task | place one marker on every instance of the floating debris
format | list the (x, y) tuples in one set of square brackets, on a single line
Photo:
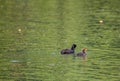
[(101, 21), (19, 30)]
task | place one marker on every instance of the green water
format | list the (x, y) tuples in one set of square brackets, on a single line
[(33, 32)]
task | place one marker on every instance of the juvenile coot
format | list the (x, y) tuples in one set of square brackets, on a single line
[(69, 51), (83, 54)]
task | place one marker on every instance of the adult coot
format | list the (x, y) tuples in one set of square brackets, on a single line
[(69, 51)]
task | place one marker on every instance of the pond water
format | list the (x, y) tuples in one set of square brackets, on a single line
[(33, 32)]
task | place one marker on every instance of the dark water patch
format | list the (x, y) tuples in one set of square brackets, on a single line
[(34, 79)]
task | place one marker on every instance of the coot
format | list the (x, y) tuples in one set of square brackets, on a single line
[(69, 51)]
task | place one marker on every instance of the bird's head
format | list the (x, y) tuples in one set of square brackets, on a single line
[(84, 50)]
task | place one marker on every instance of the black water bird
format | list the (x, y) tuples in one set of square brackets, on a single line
[(69, 51)]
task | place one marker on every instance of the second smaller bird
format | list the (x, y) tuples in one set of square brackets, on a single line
[(82, 54)]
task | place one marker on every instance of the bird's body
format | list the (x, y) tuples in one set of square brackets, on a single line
[(81, 54), (69, 51)]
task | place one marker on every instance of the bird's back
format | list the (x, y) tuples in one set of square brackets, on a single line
[(67, 51), (81, 54)]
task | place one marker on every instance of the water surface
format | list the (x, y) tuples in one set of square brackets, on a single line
[(32, 33)]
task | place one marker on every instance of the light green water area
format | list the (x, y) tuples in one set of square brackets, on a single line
[(33, 32)]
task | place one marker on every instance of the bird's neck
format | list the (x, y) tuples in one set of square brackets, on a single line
[(83, 51), (72, 48)]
